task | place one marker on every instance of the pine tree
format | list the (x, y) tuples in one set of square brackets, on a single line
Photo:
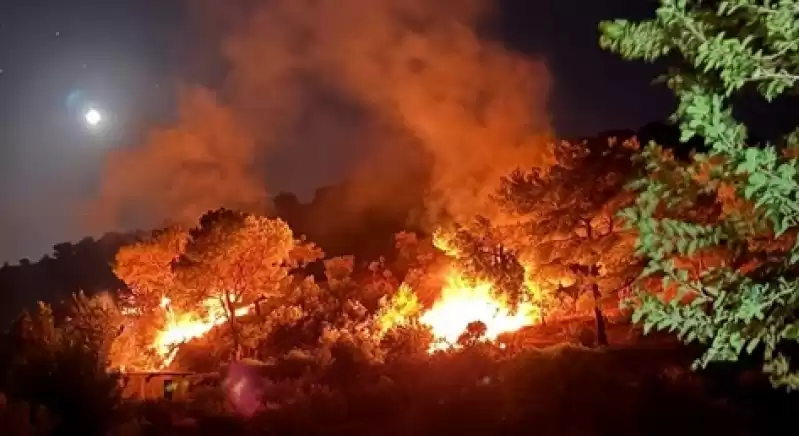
[(235, 260), (568, 215), (727, 278)]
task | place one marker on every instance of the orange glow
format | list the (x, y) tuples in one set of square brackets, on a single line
[(461, 304), (183, 327), (442, 241), (403, 306)]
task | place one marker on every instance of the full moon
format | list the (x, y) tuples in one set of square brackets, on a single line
[(93, 117)]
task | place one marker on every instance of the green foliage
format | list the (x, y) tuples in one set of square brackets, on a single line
[(719, 232)]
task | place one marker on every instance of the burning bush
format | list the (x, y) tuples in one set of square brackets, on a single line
[(233, 281)]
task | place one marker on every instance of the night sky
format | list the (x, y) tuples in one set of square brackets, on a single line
[(127, 57)]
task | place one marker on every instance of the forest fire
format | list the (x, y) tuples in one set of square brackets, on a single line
[(450, 257), (462, 303), (181, 328), (153, 336)]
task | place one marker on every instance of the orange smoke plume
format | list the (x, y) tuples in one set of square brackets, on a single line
[(201, 163), (327, 89)]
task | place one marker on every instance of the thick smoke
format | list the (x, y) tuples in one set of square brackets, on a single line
[(397, 84), (202, 162)]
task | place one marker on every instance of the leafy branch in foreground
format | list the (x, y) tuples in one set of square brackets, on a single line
[(718, 233)]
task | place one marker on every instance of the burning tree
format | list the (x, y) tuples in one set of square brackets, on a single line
[(146, 268), (480, 282), (243, 273), (184, 283), (232, 261), (481, 253), (568, 218)]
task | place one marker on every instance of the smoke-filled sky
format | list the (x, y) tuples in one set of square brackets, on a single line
[(211, 103)]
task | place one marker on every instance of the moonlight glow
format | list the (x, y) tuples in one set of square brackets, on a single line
[(93, 117)]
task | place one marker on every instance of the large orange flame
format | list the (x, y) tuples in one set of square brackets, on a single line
[(403, 306), (183, 327), (462, 303)]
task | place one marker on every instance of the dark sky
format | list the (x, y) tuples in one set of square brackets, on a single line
[(123, 55)]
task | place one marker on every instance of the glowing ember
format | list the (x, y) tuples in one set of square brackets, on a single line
[(184, 327), (461, 304)]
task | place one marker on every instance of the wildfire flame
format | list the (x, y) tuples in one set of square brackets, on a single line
[(184, 327), (462, 303)]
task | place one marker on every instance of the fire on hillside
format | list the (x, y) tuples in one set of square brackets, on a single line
[(462, 301)]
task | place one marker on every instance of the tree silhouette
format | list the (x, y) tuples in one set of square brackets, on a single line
[(568, 217)]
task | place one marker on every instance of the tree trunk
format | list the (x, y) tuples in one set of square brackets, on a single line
[(234, 328), (543, 317), (601, 332)]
